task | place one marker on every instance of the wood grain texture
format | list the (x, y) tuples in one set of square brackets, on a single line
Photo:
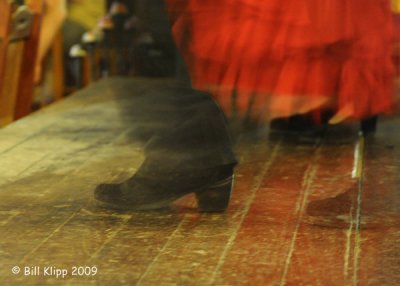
[(10, 84), (5, 22), (5, 15), (23, 105), (52, 160)]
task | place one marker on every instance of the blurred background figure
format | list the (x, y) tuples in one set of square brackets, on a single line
[(54, 14), (83, 16), (63, 24)]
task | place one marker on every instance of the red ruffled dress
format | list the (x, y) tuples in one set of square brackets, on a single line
[(276, 58)]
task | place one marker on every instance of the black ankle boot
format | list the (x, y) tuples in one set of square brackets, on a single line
[(191, 153), (159, 188)]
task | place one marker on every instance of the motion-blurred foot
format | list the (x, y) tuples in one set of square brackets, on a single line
[(155, 191)]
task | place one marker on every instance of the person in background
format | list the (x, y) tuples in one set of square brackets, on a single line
[(54, 14), (82, 16)]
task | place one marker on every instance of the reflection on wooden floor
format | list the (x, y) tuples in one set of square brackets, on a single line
[(52, 161)]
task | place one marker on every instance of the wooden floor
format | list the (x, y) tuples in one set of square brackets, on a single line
[(50, 225)]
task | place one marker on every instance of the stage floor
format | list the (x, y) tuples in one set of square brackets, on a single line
[(54, 233)]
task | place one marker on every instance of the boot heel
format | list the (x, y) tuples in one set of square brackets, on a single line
[(216, 197)]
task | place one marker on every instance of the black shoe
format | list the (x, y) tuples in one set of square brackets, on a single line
[(368, 125), (297, 124), (212, 188)]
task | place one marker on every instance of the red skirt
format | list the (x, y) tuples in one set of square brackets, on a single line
[(283, 57)]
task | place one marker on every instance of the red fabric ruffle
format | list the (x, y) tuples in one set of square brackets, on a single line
[(338, 51)]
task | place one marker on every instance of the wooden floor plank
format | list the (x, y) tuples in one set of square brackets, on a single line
[(197, 261), (52, 161), (264, 239), (325, 255), (50, 202), (45, 195), (379, 248)]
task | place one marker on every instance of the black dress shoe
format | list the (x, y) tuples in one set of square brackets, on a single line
[(156, 190)]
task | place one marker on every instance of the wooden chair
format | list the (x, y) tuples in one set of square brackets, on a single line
[(19, 40)]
